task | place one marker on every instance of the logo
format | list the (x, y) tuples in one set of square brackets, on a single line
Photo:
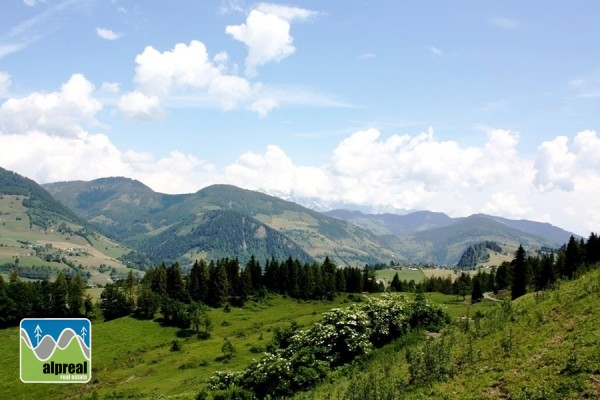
[(56, 350)]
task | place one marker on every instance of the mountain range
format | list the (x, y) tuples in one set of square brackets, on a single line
[(226, 221)]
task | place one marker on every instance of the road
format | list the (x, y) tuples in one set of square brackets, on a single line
[(488, 295)]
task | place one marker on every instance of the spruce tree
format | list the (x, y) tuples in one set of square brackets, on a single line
[(519, 284)]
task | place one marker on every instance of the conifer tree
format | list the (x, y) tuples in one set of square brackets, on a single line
[(75, 295), (59, 293), (198, 281), (520, 275), (218, 287)]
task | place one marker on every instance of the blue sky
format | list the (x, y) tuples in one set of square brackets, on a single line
[(459, 107)]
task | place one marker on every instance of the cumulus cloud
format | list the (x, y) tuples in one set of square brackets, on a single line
[(46, 158), (187, 70), (61, 113), (266, 33), (140, 106), (563, 167), (107, 34), (422, 172), (46, 136)]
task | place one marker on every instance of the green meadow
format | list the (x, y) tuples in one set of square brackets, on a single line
[(134, 359), (541, 346), (408, 275)]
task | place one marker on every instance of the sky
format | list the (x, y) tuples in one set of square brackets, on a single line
[(460, 107)]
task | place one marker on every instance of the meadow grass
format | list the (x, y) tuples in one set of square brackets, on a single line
[(387, 274), (133, 358), (541, 346)]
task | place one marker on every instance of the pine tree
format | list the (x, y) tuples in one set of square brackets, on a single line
[(129, 288), (573, 258), (329, 271), (218, 287), (159, 281), (592, 249), (75, 289), (175, 287), (520, 276), (198, 281), (396, 285), (255, 274), (477, 292), (59, 296)]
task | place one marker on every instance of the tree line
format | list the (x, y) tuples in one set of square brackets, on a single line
[(522, 274), (183, 300), (42, 299)]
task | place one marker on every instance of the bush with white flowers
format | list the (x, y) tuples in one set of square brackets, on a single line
[(340, 337)]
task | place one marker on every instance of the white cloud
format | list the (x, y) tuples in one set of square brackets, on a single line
[(435, 51), (367, 56), (45, 136), (422, 172), (4, 84), (140, 106), (286, 12), (107, 34), (400, 171), (185, 72), (228, 6), (110, 87), (61, 113), (46, 158), (266, 33), (33, 3), (6, 49), (504, 23), (187, 76), (264, 106)]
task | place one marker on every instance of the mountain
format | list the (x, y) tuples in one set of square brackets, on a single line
[(40, 236), (217, 221), (436, 238), (223, 220), (393, 224)]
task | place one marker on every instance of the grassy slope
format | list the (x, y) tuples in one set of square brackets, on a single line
[(15, 227), (403, 274), (547, 349), (133, 358)]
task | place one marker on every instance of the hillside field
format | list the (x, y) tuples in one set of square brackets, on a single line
[(30, 245), (133, 358), (542, 346)]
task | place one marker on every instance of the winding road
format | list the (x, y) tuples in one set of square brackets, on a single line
[(487, 295)]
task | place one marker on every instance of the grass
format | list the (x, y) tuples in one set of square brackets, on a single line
[(543, 346), (404, 274), (546, 347), (15, 230), (133, 358)]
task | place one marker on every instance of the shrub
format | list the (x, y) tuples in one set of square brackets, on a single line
[(175, 345), (297, 359)]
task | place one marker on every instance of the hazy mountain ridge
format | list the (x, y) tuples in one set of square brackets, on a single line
[(145, 219), (430, 237)]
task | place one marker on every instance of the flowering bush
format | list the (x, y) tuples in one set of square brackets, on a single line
[(298, 360)]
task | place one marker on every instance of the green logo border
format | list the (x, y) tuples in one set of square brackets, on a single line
[(89, 373)]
